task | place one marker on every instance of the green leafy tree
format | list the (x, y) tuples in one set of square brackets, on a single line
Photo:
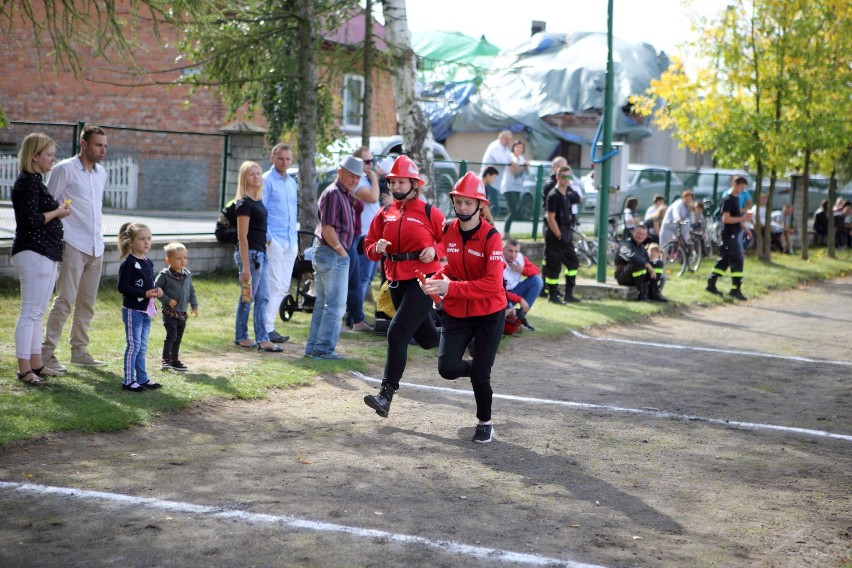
[(763, 98)]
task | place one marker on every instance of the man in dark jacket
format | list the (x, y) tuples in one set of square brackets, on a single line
[(634, 268)]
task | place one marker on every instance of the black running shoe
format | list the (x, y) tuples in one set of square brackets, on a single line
[(484, 434)]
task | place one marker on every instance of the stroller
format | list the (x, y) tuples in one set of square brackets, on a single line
[(301, 296)]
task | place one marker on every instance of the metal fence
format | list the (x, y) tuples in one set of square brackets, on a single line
[(171, 181)]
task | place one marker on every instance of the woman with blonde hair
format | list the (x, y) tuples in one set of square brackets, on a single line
[(36, 251), (250, 258)]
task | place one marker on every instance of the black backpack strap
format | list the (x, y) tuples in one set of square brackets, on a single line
[(429, 211)]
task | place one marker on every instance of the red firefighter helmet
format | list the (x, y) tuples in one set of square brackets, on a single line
[(470, 186), (404, 167)]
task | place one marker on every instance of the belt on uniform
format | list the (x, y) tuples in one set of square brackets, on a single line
[(405, 256)]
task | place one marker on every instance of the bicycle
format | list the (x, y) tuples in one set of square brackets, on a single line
[(680, 251), (586, 248)]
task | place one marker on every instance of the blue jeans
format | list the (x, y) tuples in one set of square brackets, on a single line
[(368, 272), (137, 327), (354, 298), (529, 288), (259, 295), (331, 276)]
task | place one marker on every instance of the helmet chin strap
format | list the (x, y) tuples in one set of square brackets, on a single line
[(405, 196), (466, 218)]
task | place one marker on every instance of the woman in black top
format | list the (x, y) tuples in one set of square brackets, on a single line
[(36, 251), (251, 258)]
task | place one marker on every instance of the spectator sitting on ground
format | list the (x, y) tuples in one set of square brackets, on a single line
[(782, 229), (633, 267), (523, 280), (821, 223)]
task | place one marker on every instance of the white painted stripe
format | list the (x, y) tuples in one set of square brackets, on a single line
[(655, 413), (715, 350), (452, 547)]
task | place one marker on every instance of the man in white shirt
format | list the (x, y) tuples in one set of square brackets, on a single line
[(280, 196), (82, 180), (498, 154)]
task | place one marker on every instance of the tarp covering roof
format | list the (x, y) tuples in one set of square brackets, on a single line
[(554, 74), (452, 56)]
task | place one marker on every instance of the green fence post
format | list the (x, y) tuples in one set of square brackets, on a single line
[(462, 168), (668, 186), (539, 183), (716, 189), (75, 142)]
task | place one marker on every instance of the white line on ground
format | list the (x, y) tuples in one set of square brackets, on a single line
[(715, 350), (449, 546), (655, 413)]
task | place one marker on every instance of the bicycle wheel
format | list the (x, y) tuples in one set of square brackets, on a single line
[(695, 256), (675, 258), (585, 259)]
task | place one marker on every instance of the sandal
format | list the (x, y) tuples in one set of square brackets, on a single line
[(44, 371), (31, 378)]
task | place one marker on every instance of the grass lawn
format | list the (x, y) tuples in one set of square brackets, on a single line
[(91, 400)]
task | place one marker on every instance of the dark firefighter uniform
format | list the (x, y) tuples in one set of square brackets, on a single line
[(560, 250)]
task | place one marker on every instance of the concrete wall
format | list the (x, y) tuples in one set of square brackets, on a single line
[(205, 255)]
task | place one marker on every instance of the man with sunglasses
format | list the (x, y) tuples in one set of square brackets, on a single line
[(558, 241)]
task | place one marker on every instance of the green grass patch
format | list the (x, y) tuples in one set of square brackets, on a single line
[(91, 400)]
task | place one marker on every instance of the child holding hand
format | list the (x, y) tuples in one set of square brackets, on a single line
[(136, 284), (178, 294)]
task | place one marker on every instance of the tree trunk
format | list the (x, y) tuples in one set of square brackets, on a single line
[(831, 243), (367, 119), (413, 124), (308, 114)]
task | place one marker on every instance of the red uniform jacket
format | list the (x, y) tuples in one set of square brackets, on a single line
[(409, 229), (476, 271)]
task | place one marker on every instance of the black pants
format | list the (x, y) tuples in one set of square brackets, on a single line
[(486, 333), (174, 335), (512, 199), (413, 319), (730, 256), (625, 276), (557, 253)]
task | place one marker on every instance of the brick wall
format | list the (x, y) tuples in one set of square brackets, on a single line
[(29, 92)]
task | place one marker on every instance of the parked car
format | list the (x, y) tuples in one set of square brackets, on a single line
[(703, 181), (644, 181)]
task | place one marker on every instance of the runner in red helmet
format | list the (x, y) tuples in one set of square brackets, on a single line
[(474, 300), (406, 236)]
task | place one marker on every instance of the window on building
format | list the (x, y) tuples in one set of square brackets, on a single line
[(353, 101)]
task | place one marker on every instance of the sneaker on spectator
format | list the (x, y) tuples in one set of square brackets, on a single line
[(178, 366), (362, 327), (86, 360), (484, 434), (51, 363), (276, 337), (332, 356), (165, 365)]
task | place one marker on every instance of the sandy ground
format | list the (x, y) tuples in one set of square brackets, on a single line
[(611, 450)]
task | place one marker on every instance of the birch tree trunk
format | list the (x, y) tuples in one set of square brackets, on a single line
[(308, 114), (413, 124)]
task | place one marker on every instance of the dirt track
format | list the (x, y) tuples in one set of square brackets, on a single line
[(612, 482)]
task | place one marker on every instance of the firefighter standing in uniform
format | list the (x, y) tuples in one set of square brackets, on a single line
[(474, 300), (558, 244), (406, 235), (730, 251)]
